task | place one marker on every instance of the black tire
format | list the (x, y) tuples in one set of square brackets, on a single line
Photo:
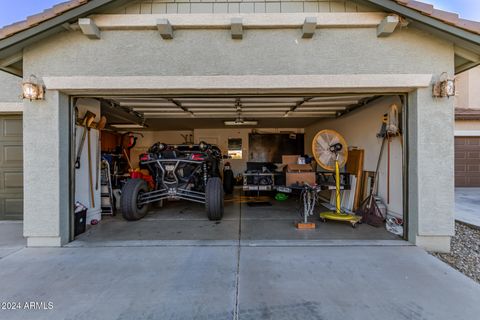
[(128, 202), (228, 181), (214, 199)]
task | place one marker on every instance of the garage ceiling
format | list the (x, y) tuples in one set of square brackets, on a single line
[(212, 111)]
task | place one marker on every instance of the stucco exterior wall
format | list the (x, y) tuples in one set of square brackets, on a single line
[(261, 52), (266, 52), (10, 88)]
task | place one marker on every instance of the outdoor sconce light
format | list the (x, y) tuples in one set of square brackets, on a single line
[(32, 89), (444, 87)]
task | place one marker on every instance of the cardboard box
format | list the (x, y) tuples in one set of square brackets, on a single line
[(300, 178), (290, 159), (299, 168)]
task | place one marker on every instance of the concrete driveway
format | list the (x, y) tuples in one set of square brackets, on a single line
[(11, 237), (467, 205), (227, 281)]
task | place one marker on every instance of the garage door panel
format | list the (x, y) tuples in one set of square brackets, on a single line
[(11, 167), (13, 154), (473, 168), (13, 128), (11, 207), (473, 142), (460, 181), (467, 161), (460, 155), (13, 180)]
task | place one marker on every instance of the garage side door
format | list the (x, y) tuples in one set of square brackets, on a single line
[(467, 161), (11, 167)]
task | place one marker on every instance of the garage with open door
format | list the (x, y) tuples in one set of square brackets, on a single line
[(243, 167), (279, 91)]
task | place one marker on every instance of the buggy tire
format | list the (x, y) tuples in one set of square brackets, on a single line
[(214, 199), (228, 181), (128, 201)]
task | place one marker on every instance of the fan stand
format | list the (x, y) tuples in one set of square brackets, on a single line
[(338, 214)]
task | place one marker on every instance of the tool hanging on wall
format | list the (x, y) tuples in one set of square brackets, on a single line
[(132, 139), (90, 176), (100, 126), (86, 122), (390, 128), (188, 138)]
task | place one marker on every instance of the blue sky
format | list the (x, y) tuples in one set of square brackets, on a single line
[(16, 10)]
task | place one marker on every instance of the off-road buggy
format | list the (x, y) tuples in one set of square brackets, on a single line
[(187, 172)]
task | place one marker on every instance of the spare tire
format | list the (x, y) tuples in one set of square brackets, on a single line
[(131, 211), (228, 181), (214, 199)]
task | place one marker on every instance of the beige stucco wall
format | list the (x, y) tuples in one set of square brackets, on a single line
[(10, 88)]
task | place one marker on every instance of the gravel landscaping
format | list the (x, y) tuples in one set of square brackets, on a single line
[(465, 253)]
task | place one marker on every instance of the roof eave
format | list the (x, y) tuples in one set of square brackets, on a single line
[(16, 42), (422, 18)]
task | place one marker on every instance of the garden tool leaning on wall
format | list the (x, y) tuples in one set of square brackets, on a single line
[(87, 123), (369, 209)]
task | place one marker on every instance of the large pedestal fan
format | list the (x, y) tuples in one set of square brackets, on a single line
[(331, 153)]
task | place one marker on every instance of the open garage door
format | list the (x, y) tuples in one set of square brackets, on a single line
[(175, 145)]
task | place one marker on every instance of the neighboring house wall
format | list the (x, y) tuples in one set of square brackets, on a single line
[(468, 88), (467, 99), (335, 51)]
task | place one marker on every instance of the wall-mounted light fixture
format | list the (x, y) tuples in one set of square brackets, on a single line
[(444, 87), (33, 89)]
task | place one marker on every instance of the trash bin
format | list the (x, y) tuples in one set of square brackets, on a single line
[(80, 219)]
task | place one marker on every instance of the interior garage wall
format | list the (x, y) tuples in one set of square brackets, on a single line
[(10, 88), (151, 137), (216, 136), (359, 129)]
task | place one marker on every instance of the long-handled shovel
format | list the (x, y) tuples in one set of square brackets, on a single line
[(100, 126), (86, 123), (90, 176)]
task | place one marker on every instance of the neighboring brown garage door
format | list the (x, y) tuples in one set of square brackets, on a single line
[(467, 161), (11, 167)]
